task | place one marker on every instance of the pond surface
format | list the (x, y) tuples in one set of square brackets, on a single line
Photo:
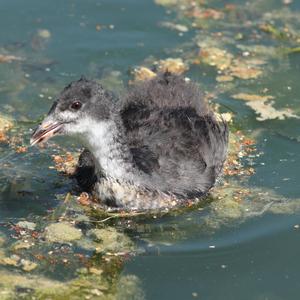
[(213, 252)]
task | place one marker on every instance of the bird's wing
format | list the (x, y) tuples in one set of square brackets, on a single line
[(182, 151)]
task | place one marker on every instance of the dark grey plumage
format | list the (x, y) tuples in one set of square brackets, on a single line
[(162, 134), (172, 136), (85, 173)]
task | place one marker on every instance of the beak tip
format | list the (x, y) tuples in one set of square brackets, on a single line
[(44, 132), (32, 142)]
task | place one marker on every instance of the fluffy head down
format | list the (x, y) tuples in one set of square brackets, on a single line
[(81, 104)]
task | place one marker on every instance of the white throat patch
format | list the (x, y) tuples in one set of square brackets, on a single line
[(101, 139)]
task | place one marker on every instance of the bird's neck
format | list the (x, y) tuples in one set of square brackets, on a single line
[(112, 155)]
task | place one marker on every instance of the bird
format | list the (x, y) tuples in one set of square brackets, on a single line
[(157, 146)]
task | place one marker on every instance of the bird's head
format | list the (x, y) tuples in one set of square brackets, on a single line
[(79, 104)]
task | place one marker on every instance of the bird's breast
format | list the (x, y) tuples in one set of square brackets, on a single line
[(132, 197)]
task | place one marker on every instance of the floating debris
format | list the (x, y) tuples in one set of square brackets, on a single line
[(252, 97), (262, 105), (200, 13), (266, 111), (95, 271), (110, 240), (3, 137), (167, 2), (224, 78), (84, 199), (20, 245), (44, 33), (143, 73), (40, 39), (62, 232), (244, 71), (173, 65), (6, 123), (66, 163), (21, 149), (216, 57), (2, 240), (9, 58), (276, 33), (173, 26), (99, 27), (227, 117), (26, 225), (28, 265), (13, 260)]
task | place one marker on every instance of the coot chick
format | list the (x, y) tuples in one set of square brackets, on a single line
[(157, 147)]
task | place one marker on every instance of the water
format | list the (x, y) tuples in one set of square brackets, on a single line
[(215, 252)]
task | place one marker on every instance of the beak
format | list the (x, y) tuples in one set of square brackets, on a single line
[(45, 131)]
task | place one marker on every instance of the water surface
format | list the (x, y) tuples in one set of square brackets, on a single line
[(199, 254)]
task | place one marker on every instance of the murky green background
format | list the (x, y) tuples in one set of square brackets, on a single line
[(195, 255)]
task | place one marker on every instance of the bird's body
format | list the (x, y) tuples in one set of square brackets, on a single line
[(157, 147)]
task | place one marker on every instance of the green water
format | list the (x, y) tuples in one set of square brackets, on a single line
[(200, 254)]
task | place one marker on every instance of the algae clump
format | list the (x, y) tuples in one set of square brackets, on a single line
[(62, 232)]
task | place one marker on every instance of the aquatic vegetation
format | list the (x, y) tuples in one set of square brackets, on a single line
[(62, 233), (216, 57), (264, 108), (266, 111), (178, 27), (66, 163), (143, 73), (239, 46), (6, 123), (92, 257), (8, 58), (252, 97), (75, 250), (173, 65)]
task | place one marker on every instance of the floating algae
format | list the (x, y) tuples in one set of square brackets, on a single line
[(216, 57), (62, 233), (110, 240), (16, 286), (264, 108), (143, 73), (267, 111), (8, 58), (173, 65), (239, 46), (45, 247), (87, 264)]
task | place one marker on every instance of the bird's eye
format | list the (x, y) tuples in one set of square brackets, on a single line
[(76, 105)]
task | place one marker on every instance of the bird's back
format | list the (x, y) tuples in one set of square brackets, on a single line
[(166, 90)]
